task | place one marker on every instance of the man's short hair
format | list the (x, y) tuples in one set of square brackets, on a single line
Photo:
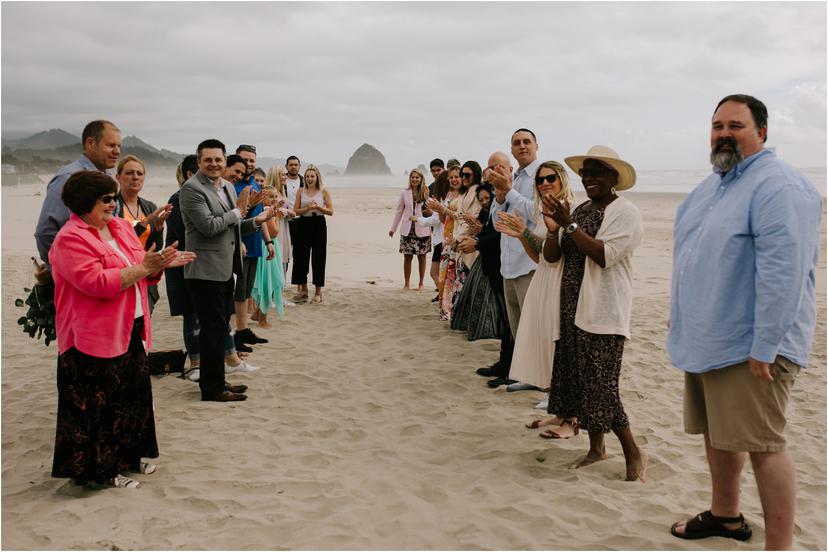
[(452, 163), (535, 138), (757, 109), (245, 147), (82, 190), (259, 170), (210, 143), (437, 162), (232, 159), (95, 130), (292, 157), (189, 164)]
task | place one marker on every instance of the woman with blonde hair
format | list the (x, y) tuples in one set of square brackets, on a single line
[(276, 179), (534, 351), (270, 273), (415, 239), (313, 204)]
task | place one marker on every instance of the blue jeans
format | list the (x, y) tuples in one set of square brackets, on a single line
[(191, 331)]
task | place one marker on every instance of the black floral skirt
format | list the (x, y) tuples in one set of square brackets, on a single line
[(105, 421), (413, 245), (478, 311)]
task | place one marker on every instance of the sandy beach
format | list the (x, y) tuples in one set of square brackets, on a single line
[(367, 428)]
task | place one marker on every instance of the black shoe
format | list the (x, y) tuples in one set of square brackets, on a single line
[(240, 388), (247, 336), (487, 372), (241, 347), (497, 382), (436, 298)]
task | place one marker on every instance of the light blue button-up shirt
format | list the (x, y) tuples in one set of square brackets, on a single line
[(514, 262), (744, 264), (53, 212)]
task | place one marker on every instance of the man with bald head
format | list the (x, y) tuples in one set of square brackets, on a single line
[(514, 193)]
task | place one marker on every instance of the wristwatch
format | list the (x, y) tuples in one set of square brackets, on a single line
[(571, 228)]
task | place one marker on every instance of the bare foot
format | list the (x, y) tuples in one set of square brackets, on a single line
[(421, 287), (590, 458), (637, 468), (265, 324), (254, 316), (566, 430), (552, 420)]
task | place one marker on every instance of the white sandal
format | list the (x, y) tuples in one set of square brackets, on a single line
[(147, 468)]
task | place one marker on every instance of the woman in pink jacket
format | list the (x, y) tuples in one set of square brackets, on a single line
[(415, 239), (105, 422)]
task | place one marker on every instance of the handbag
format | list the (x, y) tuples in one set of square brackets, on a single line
[(161, 363)]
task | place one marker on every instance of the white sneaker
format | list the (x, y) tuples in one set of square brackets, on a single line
[(287, 303), (543, 405), (194, 375), (243, 367)]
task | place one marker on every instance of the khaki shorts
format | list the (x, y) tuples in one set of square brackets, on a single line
[(738, 411)]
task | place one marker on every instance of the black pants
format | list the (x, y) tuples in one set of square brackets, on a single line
[(507, 343), (213, 302), (310, 248)]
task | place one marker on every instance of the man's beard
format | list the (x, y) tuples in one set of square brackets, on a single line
[(726, 159)]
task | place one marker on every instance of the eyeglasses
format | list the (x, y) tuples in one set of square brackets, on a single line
[(466, 174), (109, 198), (246, 147), (594, 172), (549, 179)]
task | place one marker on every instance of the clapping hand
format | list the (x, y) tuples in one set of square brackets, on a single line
[(243, 201), (556, 210), (473, 224), (435, 205), (467, 245), (168, 257), (510, 224), (500, 178), (159, 216), (255, 198)]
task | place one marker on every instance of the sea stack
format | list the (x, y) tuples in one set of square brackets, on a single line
[(367, 160)]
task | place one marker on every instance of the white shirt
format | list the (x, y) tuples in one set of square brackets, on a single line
[(514, 262), (139, 311), (291, 187)]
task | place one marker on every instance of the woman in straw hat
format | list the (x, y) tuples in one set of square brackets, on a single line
[(596, 242)]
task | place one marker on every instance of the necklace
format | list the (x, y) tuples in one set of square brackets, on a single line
[(135, 219)]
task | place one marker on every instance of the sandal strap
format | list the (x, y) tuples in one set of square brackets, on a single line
[(708, 516)]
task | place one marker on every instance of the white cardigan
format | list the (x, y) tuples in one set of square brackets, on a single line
[(605, 300)]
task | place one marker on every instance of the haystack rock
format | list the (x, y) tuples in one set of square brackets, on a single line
[(367, 160)]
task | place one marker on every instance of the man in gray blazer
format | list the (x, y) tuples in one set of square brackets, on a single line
[(214, 222)]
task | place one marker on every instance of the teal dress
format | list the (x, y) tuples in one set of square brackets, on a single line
[(269, 282)]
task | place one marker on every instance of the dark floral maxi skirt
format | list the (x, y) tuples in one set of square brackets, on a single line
[(105, 421), (477, 311)]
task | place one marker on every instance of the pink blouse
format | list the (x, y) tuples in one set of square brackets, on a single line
[(93, 313)]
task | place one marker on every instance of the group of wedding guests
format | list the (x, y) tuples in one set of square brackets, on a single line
[(513, 261), (106, 250)]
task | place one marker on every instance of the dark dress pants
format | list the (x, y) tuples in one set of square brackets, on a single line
[(213, 302), (507, 343), (310, 250)]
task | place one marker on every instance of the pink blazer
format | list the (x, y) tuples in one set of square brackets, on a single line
[(406, 209), (93, 314)]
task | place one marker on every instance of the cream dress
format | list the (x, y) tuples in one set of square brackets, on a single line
[(539, 326)]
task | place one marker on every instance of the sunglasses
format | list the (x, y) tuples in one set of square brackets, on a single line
[(110, 198), (549, 179), (594, 173)]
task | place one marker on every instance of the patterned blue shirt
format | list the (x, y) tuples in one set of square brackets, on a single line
[(252, 242), (746, 245)]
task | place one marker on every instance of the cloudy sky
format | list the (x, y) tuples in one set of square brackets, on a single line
[(419, 80)]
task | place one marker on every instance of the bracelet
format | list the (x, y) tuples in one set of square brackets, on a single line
[(269, 242)]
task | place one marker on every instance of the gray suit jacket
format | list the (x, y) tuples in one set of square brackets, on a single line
[(212, 231)]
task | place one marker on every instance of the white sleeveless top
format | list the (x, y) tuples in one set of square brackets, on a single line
[(307, 199)]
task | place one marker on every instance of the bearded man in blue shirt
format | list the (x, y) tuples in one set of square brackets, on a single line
[(742, 317)]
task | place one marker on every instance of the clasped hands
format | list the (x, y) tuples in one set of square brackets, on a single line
[(168, 257), (248, 199)]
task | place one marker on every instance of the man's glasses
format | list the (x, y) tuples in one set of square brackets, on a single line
[(467, 175), (110, 198), (549, 179), (594, 172)]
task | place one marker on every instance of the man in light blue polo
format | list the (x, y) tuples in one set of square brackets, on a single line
[(101, 142), (742, 316), (514, 193)]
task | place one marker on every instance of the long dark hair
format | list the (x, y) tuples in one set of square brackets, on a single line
[(477, 172), (441, 188)]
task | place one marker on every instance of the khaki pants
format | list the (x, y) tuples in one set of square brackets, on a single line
[(514, 290)]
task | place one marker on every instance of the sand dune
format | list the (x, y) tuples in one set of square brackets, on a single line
[(366, 428)]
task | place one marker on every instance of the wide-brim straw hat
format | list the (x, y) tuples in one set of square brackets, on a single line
[(626, 172)]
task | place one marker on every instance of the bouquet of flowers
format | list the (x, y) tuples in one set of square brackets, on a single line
[(40, 318)]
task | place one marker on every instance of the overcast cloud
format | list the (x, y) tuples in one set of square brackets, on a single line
[(419, 80)]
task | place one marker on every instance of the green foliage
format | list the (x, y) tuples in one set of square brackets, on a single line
[(40, 318)]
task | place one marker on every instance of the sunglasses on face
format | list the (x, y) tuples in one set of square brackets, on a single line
[(110, 198), (549, 179), (466, 174), (594, 172)]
